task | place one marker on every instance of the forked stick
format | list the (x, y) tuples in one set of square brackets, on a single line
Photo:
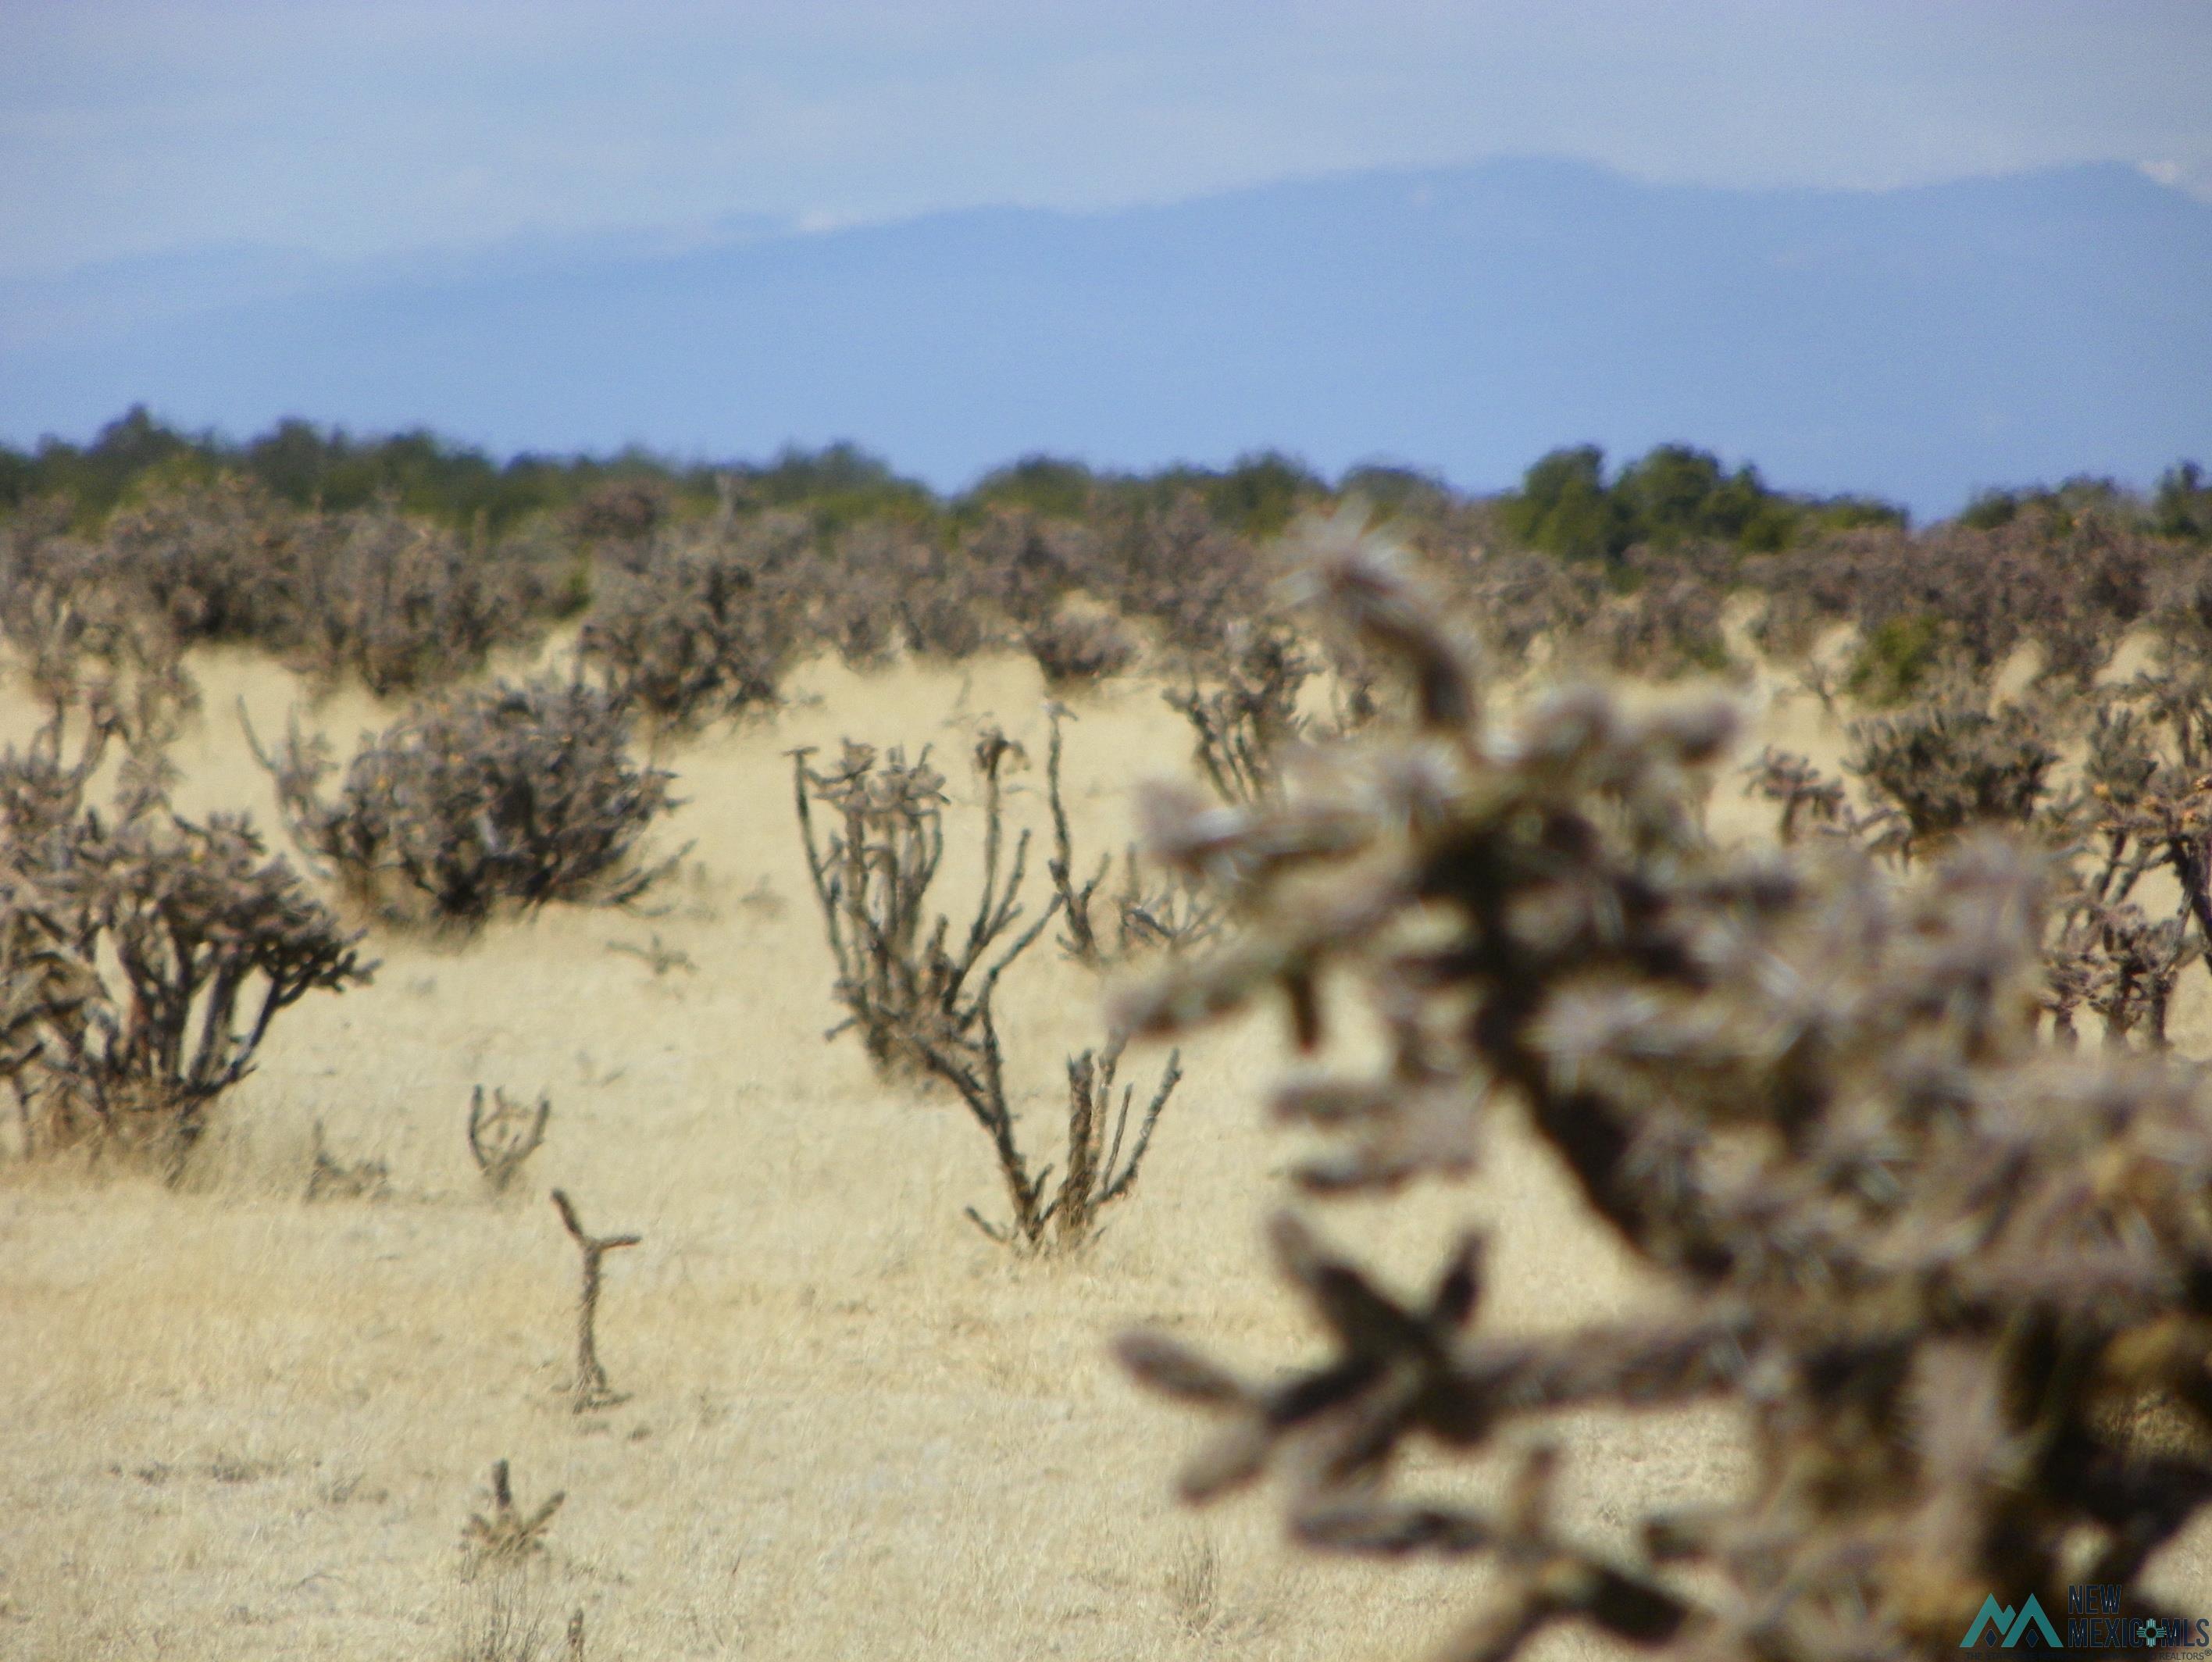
[(592, 1388)]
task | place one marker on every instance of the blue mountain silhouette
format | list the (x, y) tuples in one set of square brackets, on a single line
[(1916, 343)]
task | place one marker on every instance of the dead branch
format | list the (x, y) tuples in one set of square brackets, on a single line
[(591, 1389)]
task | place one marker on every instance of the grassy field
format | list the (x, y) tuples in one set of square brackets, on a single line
[(242, 1425)]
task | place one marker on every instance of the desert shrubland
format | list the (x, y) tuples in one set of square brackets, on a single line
[(1749, 1205)]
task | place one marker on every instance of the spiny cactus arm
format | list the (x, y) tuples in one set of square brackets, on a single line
[(991, 750), (501, 1140), (1346, 1412), (1082, 940), (1556, 1581), (1120, 1178), (977, 1076), (1077, 1195), (1023, 942), (507, 1534), (310, 958), (477, 1149), (817, 860)]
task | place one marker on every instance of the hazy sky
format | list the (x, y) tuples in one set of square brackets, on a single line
[(355, 128)]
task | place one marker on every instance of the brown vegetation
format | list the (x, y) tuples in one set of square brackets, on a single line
[(142, 955), (702, 622), (1799, 1179), (908, 989), (1167, 910), (923, 1009), (481, 796), (593, 1390), (1807, 1098), (501, 1141)]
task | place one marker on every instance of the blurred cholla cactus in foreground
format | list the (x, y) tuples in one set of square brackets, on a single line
[(1935, 1262)]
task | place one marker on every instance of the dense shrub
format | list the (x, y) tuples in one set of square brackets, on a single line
[(217, 562), (1047, 485), (85, 644), (2183, 506), (943, 622), (402, 606), (1260, 493), (856, 611), (1669, 624), (1077, 647), (1946, 768), (142, 955), (704, 622), (402, 560), (1896, 660), (1175, 566), (479, 798), (621, 511), (1025, 565), (1509, 600), (2072, 585)]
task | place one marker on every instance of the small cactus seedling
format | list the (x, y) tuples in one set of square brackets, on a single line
[(508, 1537)]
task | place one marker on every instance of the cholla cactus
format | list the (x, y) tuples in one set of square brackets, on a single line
[(508, 795), (1931, 1257), (1947, 769), (907, 991), (143, 958), (701, 622), (1807, 796), (1245, 722), (1149, 912)]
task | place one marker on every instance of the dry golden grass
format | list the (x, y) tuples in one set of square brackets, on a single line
[(241, 1426)]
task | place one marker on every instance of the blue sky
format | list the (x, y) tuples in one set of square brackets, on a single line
[(356, 130)]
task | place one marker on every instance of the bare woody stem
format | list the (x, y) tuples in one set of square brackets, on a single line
[(592, 1389)]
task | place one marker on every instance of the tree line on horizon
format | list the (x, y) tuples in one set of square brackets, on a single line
[(1568, 504)]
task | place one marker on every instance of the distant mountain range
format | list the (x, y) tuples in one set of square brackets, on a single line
[(1914, 343)]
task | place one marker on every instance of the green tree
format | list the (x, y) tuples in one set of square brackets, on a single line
[(1263, 493), (1049, 485), (1565, 507), (2183, 506)]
